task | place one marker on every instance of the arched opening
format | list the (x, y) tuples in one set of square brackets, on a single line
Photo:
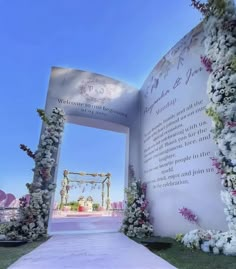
[(88, 155)]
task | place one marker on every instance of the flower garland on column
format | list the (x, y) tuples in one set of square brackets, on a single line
[(33, 220), (220, 61), (136, 222)]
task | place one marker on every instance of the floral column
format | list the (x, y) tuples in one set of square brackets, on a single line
[(33, 220), (102, 194)]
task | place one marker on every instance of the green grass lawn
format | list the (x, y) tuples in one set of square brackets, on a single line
[(184, 258), (11, 254), (177, 255)]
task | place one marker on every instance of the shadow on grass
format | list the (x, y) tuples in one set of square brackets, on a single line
[(184, 258), (9, 255)]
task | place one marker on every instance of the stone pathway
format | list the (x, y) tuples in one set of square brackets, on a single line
[(91, 251), (80, 224)]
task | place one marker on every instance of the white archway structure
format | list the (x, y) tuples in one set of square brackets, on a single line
[(96, 101), (169, 143)]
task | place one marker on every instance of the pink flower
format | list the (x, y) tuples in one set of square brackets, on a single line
[(233, 192), (231, 123), (141, 222), (188, 214), (217, 165), (144, 205)]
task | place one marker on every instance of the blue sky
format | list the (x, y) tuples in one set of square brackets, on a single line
[(94, 151), (121, 39)]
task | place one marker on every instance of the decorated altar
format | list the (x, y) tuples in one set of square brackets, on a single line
[(95, 181)]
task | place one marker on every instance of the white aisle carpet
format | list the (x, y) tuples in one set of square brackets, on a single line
[(91, 251)]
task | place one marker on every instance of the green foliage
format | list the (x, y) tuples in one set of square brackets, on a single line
[(3, 228), (217, 7), (220, 6), (130, 196), (96, 206), (10, 255), (215, 117), (179, 237), (42, 115), (233, 63), (73, 205)]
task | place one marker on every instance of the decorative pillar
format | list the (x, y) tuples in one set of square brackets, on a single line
[(65, 189), (102, 194), (63, 192), (62, 199), (108, 193), (67, 195)]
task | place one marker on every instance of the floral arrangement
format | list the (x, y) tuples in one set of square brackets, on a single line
[(136, 222), (211, 241), (33, 217), (188, 215), (220, 61)]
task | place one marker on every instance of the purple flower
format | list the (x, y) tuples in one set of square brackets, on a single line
[(144, 205), (202, 7), (231, 123), (229, 25), (233, 192), (28, 151), (188, 214), (144, 188), (23, 202), (207, 63), (217, 165)]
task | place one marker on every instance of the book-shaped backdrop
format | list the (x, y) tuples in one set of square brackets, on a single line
[(169, 143)]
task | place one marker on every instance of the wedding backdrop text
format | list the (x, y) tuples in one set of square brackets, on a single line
[(169, 142)]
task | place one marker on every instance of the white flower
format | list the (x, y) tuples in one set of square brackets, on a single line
[(205, 246), (216, 250), (131, 220)]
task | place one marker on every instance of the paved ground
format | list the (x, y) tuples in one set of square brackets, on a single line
[(91, 251), (85, 223)]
